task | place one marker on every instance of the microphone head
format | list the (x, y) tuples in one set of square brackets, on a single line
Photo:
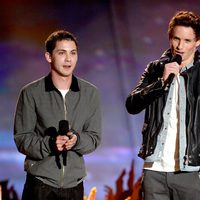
[(177, 58), (63, 127)]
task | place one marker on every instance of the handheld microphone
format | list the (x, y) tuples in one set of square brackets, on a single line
[(63, 129), (176, 58)]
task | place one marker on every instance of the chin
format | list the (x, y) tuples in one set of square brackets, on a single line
[(67, 75)]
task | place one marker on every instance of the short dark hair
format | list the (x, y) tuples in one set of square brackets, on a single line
[(185, 18), (59, 35)]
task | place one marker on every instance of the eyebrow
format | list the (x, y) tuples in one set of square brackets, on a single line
[(65, 50), (190, 39)]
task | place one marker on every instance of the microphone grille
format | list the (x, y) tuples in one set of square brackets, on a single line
[(177, 58), (63, 127)]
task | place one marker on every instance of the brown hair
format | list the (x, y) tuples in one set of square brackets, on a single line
[(185, 18), (59, 35)]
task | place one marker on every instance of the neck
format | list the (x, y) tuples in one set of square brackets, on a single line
[(61, 82), (187, 62)]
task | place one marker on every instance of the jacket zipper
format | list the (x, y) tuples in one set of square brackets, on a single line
[(187, 154), (63, 167)]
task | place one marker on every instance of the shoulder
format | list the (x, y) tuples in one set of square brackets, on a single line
[(88, 90), (34, 85), (84, 84)]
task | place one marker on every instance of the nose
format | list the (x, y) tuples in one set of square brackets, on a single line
[(67, 57), (180, 45)]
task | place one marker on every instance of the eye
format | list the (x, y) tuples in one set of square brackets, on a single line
[(175, 39), (61, 52), (188, 41), (74, 52)]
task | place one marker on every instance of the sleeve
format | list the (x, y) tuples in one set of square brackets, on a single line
[(149, 88), (28, 142), (90, 137)]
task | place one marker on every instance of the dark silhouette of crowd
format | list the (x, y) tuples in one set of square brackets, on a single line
[(133, 191), (6, 192)]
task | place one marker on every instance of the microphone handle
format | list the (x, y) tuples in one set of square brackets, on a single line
[(169, 80)]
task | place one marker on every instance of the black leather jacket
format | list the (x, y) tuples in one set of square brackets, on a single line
[(151, 95)]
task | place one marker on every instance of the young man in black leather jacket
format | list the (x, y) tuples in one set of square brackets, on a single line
[(169, 92)]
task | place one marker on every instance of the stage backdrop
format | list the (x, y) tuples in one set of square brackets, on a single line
[(116, 41)]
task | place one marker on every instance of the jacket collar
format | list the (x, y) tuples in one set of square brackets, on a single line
[(49, 86)]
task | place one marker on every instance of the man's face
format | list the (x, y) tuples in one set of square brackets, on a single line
[(184, 42), (63, 58)]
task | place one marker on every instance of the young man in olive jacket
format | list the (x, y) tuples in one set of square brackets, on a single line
[(57, 121), (169, 92)]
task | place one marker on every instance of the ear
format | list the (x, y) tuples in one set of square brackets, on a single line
[(48, 57), (198, 43)]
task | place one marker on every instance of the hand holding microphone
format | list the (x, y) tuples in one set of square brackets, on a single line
[(65, 139), (172, 69)]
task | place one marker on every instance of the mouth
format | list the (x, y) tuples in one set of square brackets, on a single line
[(180, 53), (66, 66)]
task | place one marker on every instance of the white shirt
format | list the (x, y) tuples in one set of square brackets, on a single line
[(169, 156)]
